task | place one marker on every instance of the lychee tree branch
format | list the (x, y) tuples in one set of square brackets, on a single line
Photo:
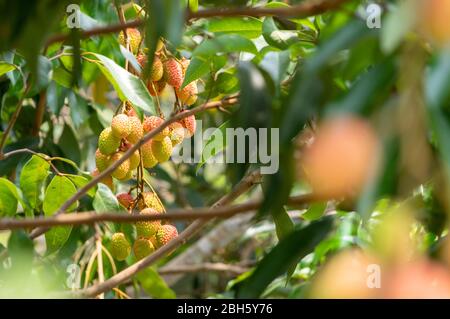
[(83, 190)]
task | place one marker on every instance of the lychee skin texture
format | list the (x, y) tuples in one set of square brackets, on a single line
[(134, 160), (173, 73), (120, 247), (148, 228), (136, 130), (120, 172), (157, 68), (176, 133), (108, 181), (188, 95), (101, 161), (130, 112), (153, 122), (148, 159), (162, 150), (156, 88), (151, 201), (189, 124), (120, 126), (125, 199), (127, 177), (107, 142), (134, 38), (165, 234), (142, 247), (185, 64)]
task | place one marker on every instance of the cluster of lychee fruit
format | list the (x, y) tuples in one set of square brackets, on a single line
[(150, 235), (166, 69)]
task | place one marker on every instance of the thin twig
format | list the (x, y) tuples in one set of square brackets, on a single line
[(218, 267)]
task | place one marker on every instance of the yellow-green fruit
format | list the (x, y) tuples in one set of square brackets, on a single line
[(148, 159), (134, 160), (151, 201), (120, 126), (148, 228), (127, 177), (156, 88), (101, 161), (188, 95), (120, 247), (176, 133), (173, 73), (107, 142), (165, 234), (122, 171), (153, 122), (162, 150), (136, 130), (157, 68), (134, 39), (108, 181), (142, 247)]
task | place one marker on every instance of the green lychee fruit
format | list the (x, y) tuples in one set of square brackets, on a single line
[(107, 142), (101, 161), (125, 199), (153, 122), (120, 126), (173, 73), (120, 247), (176, 133), (150, 200), (134, 160), (134, 39), (148, 159), (122, 171), (108, 181), (189, 124), (188, 95), (142, 247), (162, 150), (165, 234), (148, 228), (136, 130)]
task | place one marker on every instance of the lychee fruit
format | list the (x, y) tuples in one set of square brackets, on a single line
[(176, 133), (173, 73), (125, 199), (108, 181), (148, 228), (120, 126), (101, 161), (156, 88), (189, 124), (188, 95), (165, 234), (107, 142), (120, 247), (162, 150), (121, 172), (151, 200), (142, 247), (157, 68), (153, 122), (136, 130), (135, 159), (148, 159), (184, 64), (134, 39)]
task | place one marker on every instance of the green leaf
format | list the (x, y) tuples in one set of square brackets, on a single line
[(193, 5), (281, 39), (21, 250), (5, 67), (276, 64), (214, 145), (80, 181), (32, 178), (315, 211), (154, 285), (295, 246), (8, 198), (58, 192), (247, 27), (105, 200), (128, 86)]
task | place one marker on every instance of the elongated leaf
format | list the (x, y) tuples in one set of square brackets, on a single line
[(247, 27), (154, 285), (58, 191), (8, 198), (295, 246), (104, 200), (5, 67), (80, 181), (32, 178)]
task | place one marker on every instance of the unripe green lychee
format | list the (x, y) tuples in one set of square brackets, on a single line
[(134, 160), (127, 177), (134, 38), (101, 161), (148, 159), (176, 133), (173, 73), (156, 88), (188, 95), (120, 247), (148, 228), (120, 126), (125, 199), (165, 234), (108, 181), (189, 124), (136, 130), (107, 142), (142, 247), (162, 150), (153, 122), (150, 200), (120, 172)]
